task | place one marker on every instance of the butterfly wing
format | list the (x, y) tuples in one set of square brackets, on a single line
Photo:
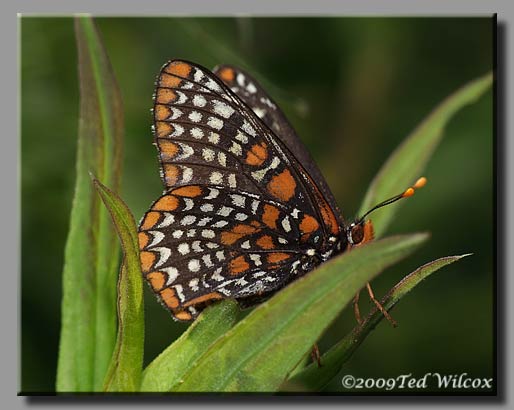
[(203, 243), (255, 97), (208, 138)]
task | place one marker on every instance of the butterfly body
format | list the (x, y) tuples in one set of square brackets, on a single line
[(245, 210)]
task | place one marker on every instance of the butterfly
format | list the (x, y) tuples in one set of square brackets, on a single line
[(245, 209)]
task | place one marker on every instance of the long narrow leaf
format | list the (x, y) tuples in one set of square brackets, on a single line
[(125, 369), (88, 309), (314, 378), (261, 350), (410, 158), (167, 370)]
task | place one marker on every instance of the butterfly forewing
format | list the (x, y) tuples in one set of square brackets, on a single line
[(240, 217), (255, 97)]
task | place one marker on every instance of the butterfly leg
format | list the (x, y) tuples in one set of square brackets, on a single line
[(315, 355), (379, 306), (356, 310)]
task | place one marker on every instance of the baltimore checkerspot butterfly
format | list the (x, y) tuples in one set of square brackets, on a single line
[(245, 210)]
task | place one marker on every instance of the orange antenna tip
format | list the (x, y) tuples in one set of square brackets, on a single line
[(420, 183), (408, 192)]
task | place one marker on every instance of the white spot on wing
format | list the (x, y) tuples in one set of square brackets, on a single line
[(177, 234), (199, 100), (196, 246), (194, 265), (286, 224), (183, 248), (188, 220), (172, 274), (187, 174), (208, 233), (216, 276), (214, 137), (241, 217), (225, 211), (238, 200), (195, 116), (168, 220), (241, 137), (204, 221), (220, 224), (157, 237), (236, 149), (215, 123), (222, 109), (207, 261), (256, 258), (196, 133), (232, 181), (251, 88), (193, 284), (207, 207), (189, 204), (164, 254), (208, 154), (213, 193), (216, 177)]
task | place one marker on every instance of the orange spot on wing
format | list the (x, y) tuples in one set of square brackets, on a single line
[(278, 256), (227, 74), (190, 191), (204, 298), (151, 219), (166, 203), (169, 81), (165, 95), (182, 315), (237, 232), (270, 216), (169, 297), (238, 265), (147, 260), (309, 224), (163, 129), (282, 186), (142, 239), (171, 174), (257, 154), (167, 149), (157, 280), (265, 242), (161, 112), (179, 68)]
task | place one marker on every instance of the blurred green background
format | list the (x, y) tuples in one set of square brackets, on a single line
[(353, 88)]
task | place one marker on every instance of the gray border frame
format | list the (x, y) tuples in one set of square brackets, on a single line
[(9, 180)]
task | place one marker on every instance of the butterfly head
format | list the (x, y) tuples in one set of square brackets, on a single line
[(361, 230)]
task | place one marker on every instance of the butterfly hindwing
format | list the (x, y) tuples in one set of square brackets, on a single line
[(202, 243)]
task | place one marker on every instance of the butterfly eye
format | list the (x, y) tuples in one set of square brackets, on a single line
[(356, 234)]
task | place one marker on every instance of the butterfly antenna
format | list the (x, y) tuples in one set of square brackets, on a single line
[(405, 194)]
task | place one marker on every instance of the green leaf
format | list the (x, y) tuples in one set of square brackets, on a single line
[(408, 161), (125, 369), (168, 369), (88, 309), (314, 378), (261, 350)]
